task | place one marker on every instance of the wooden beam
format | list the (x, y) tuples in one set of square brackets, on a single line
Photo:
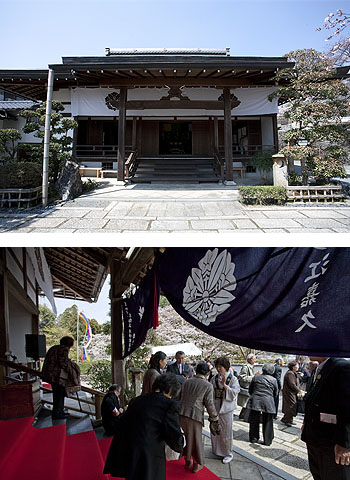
[(121, 134), (176, 82), (275, 131), (134, 133), (228, 134), (118, 375), (216, 132), (4, 306)]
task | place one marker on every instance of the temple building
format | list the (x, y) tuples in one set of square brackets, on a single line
[(162, 114)]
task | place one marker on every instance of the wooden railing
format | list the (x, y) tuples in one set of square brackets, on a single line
[(131, 165), (220, 163), (96, 395), (103, 151), (245, 151)]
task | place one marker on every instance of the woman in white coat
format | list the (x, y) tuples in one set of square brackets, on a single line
[(226, 388)]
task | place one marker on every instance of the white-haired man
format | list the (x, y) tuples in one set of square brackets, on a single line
[(245, 377)]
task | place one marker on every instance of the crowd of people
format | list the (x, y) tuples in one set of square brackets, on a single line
[(218, 388), (170, 410)]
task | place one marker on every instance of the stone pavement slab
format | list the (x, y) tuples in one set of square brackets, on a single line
[(276, 223), (130, 225), (174, 208), (84, 223), (285, 459), (166, 225), (320, 223), (245, 223), (211, 224)]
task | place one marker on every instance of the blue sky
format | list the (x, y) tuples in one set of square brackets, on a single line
[(99, 310), (35, 33)]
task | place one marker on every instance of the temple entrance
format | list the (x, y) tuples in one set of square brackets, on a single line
[(175, 138)]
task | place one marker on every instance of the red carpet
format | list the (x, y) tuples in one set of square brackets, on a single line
[(175, 471), (83, 458), (37, 454), (12, 431)]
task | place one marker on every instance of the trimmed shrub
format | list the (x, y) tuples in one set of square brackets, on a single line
[(324, 168), (90, 185), (20, 175), (262, 195)]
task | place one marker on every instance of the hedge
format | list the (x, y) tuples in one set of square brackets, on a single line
[(20, 175), (262, 195)]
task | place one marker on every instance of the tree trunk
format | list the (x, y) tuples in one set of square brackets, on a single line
[(304, 172)]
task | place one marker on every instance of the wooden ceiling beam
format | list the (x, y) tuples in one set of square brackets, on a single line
[(179, 81), (72, 289)]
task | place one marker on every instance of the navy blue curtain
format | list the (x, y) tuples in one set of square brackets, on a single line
[(140, 312), (291, 300)]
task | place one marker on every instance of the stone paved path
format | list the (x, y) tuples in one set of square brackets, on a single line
[(183, 209), (285, 459)]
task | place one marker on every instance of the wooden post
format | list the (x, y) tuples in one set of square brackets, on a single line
[(136, 380), (98, 401), (121, 134), (4, 312), (275, 132), (75, 141), (216, 133), (45, 181), (116, 325), (134, 134), (228, 135)]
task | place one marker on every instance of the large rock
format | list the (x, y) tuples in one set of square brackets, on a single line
[(69, 184)]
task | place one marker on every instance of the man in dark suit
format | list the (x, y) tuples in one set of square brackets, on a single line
[(277, 374), (110, 409), (179, 367), (326, 428), (137, 451)]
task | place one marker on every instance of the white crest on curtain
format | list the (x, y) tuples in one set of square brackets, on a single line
[(207, 291)]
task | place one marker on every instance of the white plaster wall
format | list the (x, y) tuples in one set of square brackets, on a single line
[(26, 137), (64, 96), (267, 131), (14, 268), (31, 276), (20, 324)]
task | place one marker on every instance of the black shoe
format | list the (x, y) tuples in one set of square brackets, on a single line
[(253, 440), (62, 416)]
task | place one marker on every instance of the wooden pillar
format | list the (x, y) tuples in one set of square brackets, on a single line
[(216, 132), (75, 140), (139, 136), (134, 134), (275, 132), (116, 325), (121, 134), (228, 134), (4, 312)]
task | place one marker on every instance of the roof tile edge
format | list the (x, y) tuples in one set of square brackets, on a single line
[(167, 51)]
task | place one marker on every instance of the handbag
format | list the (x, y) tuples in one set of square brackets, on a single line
[(171, 454)]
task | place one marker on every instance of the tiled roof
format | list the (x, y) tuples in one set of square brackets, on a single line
[(167, 51), (17, 104)]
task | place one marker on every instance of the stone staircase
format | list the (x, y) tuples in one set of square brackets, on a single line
[(175, 169)]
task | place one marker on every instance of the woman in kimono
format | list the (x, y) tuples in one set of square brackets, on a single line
[(226, 388), (291, 387), (156, 364)]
